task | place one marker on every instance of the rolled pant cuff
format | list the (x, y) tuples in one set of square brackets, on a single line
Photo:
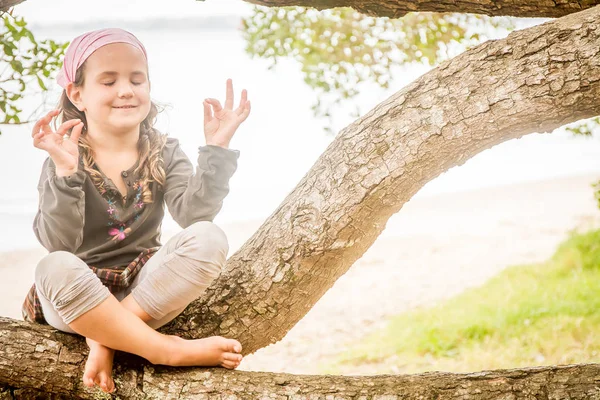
[(146, 304), (84, 296)]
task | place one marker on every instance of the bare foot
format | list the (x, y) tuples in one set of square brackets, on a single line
[(98, 367), (207, 352)]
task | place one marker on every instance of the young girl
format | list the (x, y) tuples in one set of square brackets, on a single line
[(101, 202)]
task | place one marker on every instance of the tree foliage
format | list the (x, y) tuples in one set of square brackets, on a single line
[(339, 49), (584, 128), (27, 66)]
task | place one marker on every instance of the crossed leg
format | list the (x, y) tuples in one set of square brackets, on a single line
[(74, 300)]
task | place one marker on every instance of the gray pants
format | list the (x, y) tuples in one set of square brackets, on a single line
[(175, 276)]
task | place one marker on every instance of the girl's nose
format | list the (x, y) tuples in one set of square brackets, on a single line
[(125, 91)]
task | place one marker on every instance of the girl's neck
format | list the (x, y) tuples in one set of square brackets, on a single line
[(113, 143)]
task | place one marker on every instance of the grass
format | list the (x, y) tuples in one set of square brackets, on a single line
[(540, 314)]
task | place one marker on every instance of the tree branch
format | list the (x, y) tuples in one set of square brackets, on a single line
[(535, 80), (398, 8), (43, 361), (5, 5)]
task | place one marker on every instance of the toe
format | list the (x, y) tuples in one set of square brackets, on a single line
[(88, 378), (232, 357), (104, 386), (111, 385), (88, 381), (106, 382), (234, 346), (229, 364)]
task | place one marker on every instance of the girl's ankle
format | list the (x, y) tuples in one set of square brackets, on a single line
[(92, 344), (171, 353)]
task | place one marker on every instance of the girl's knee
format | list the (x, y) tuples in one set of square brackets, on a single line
[(58, 268), (207, 239)]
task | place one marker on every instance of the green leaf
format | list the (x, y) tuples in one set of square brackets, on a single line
[(24, 59), (17, 66), (41, 83)]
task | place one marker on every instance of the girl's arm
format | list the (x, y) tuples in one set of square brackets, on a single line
[(59, 222), (197, 197)]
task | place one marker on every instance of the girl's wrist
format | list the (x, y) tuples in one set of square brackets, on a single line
[(60, 172), (223, 145)]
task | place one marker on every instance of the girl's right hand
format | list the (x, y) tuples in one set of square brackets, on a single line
[(63, 151)]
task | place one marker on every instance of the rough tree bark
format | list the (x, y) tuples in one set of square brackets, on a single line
[(59, 358), (535, 80), (399, 8)]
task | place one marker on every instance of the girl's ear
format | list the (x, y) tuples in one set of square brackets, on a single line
[(74, 94)]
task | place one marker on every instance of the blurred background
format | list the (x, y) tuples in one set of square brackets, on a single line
[(415, 301)]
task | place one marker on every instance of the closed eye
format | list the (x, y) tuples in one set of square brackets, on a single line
[(111, 83)]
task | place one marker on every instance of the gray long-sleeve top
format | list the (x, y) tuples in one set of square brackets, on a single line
[(107, 232)]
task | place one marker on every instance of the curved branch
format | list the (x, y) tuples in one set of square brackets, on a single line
[(399, 8), (535, 80)]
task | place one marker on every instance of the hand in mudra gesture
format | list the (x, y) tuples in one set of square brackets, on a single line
[(220, 126), (63, 151)]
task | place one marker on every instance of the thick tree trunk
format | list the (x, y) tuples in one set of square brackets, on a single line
[(535, 80), (398, 8), (47, 365)]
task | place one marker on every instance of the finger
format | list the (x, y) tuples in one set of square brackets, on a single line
[(48, 119), (40, 143), (62, 130), (76, 132), (45, 120), (243, 101), (245, 112), (216, 104), (207, 112), (37, 140), (229, 95)]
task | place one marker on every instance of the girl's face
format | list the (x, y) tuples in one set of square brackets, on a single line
[(115, 95)]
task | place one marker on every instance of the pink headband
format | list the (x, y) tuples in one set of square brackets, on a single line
[(84, 45)]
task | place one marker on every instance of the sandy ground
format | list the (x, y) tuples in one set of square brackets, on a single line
[(434, 248)]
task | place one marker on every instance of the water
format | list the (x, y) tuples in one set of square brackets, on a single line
[(279, 142)]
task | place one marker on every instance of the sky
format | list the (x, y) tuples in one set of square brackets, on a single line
[(76, 11)]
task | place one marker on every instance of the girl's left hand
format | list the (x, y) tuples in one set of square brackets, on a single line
[(220, 127)]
